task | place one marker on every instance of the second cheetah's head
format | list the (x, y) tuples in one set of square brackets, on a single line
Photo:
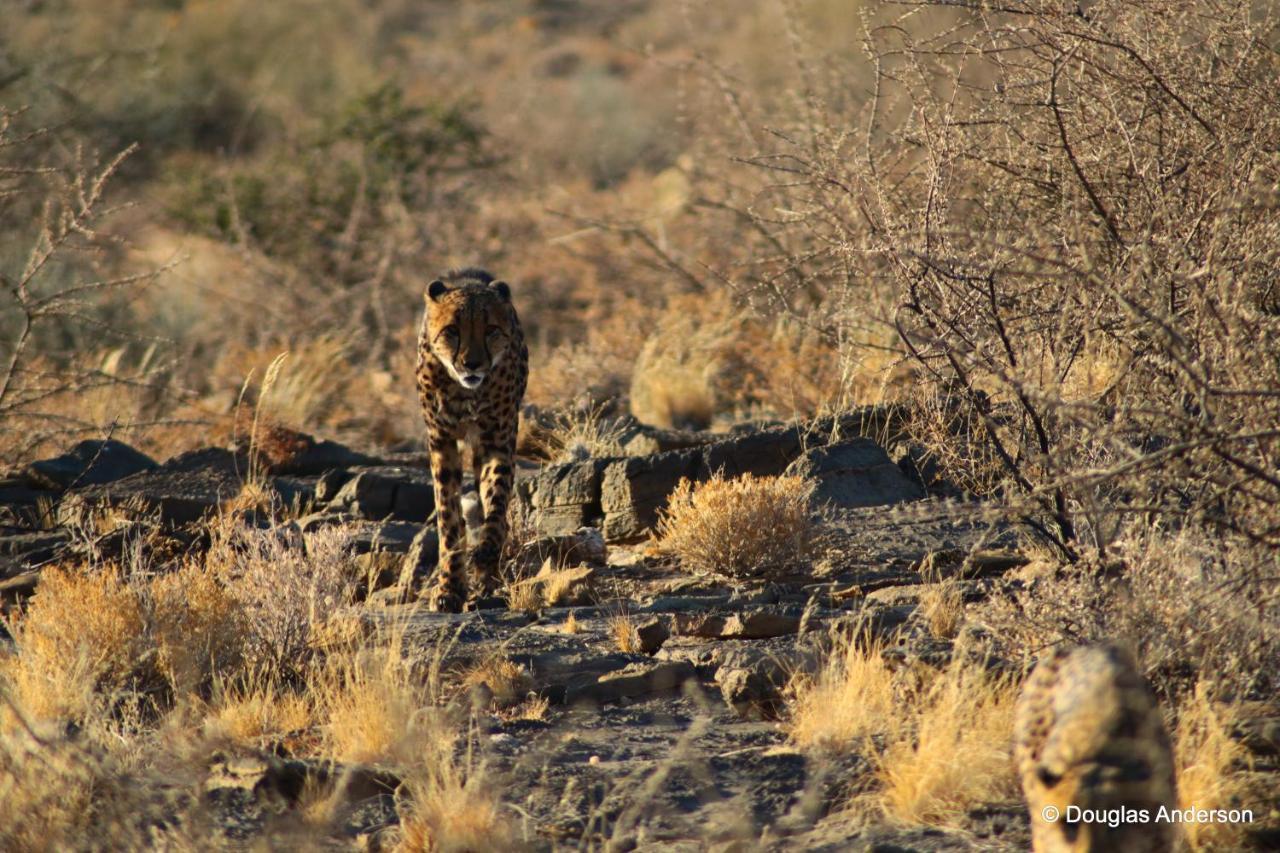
[(469, 325)]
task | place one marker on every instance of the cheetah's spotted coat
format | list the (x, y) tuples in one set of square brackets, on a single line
[(1088, 733), (472, 369)]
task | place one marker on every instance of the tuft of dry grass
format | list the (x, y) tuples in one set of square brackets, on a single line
[(375, 711), (622, 630), (507, 682), (942, 605), (249, 715), (952, 754), (198, 627), (745, 527), (939, 742), (451, 807), (1209, 765), (584, 433), (853, 696)]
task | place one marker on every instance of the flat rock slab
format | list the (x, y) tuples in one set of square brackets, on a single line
[(89, 463), (855, 473), (637, 679), (183, 490), (383, 492), (756, 624)]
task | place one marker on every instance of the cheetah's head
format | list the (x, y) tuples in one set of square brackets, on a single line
[(469, 327)]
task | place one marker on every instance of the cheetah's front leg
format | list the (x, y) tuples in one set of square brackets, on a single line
[(496, 478), (450, 587)]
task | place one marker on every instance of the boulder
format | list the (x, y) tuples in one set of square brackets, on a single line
[(89, 463), (855, 473), (564, 498), (379, 493), (633, 490), (184, 489)]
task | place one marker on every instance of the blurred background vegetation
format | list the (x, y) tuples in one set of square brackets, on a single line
[(297, 170)]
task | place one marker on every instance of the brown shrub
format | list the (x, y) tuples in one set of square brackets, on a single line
[(744, 527), (84, 632)]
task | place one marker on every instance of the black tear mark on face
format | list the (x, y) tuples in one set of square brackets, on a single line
[(1047, 777)]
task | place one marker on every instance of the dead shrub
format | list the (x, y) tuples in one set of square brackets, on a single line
[(198, 627), (84, 633), (1184, 604), (285, 589), (745, 527)]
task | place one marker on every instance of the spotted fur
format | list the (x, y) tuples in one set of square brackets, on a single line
[(1088, 732), (472, 369)]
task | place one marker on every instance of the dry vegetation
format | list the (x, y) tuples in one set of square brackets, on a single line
[(1052, 234), (744, 527)]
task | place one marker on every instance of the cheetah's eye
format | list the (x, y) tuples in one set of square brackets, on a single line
[(449, 331), (493, 330)]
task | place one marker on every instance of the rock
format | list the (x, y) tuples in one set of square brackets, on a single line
[(419, 562), (31, 549), (564, 498), (640, 439), (652, 633), (585, 546), (379, 570), (89, 463), (20, 585), (954, 562), (379, 493), (633, 490), (319, 456), (394, 536), (855, 473), (752, 685), (747, 625), (639, 679), (183, 490), (765, 453)]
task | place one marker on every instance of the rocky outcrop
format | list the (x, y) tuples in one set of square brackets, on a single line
[(622, 496)]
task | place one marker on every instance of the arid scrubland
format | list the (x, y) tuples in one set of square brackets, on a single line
[(1031, 251)]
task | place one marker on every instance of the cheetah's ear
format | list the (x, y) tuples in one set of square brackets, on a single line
[(436, 289), (504, 290)]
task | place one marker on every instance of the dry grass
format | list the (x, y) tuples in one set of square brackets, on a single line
[(942, 605), (745, 527), (251, 715), (451, 807), (198, 627), (622, 630), (953, 753), (83, 635), (587, 433), (285, 589), (375, 710), (853, 696), (1209, 765), (939, 742), (507, 683)]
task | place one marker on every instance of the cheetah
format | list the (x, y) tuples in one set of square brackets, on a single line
[(1088, 734), (472, 369)]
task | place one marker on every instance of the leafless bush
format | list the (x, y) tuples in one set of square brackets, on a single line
[(65, 369), (1076, 210), (285, 591)]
